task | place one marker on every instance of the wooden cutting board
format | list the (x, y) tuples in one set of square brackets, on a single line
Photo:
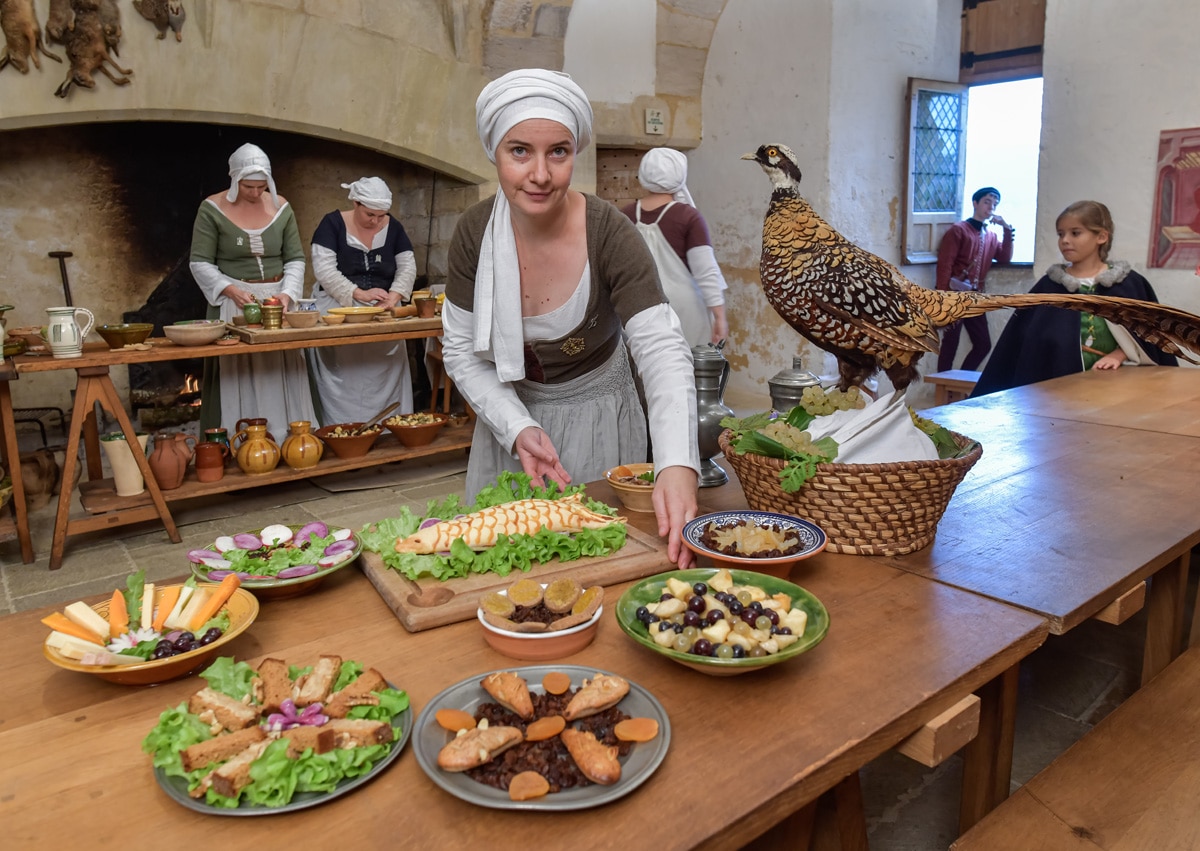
[(346, 329), (429, 602)]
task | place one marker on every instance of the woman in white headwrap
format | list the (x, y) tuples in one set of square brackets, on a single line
[(678, 238), (246, 247), (546, 288), (362, 256)]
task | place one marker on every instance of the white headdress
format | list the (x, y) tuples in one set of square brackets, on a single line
[(371, 192), (665, 170), (503, 103), (249, 162)]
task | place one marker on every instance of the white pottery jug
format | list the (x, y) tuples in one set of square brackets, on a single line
[(126, 475), (63, 334)]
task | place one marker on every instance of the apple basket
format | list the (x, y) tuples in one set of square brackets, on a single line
[(864, 509)]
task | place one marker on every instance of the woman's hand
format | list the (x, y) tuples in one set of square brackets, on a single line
[(285, 300), (237, 295), (374, 296), (674, 505), (1112, 360), (539, 458), (720, 325)]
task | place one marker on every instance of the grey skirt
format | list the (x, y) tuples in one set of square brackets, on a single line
[(595, 422)]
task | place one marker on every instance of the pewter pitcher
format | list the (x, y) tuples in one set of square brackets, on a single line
[(712, 373)]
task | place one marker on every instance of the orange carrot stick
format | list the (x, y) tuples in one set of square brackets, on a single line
[(118, 614), (62, 623), (218, 599), (170, 596)]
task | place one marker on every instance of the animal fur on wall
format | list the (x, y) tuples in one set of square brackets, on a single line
[(22, 36), (164, 14), (91, 32)]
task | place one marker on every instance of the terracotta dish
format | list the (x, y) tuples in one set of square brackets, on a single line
[(633, 497), (417, 434), (348, 447)]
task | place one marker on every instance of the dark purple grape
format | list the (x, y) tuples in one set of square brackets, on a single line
[(782, 630), (678, 627), (713, 616), (643, 614), (699, 589), (663, 626), (213, 632), (739, 652), (162, 652), (756, 606), (735, 606), (702, 647), (697, 604), (665, 597), (749, 616), (690, 618), (209, 637), (183, 645), (772, 615)]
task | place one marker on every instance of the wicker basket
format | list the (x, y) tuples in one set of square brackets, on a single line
[(864, 509)]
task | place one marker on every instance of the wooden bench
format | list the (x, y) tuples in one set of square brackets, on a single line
[(953, 385), (1133, 781)]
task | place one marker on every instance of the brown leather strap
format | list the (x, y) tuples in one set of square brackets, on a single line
[(274, 280)]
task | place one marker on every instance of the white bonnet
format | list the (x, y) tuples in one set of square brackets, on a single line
[(665, 170), (250, 162), (371, 192), (532, 93)]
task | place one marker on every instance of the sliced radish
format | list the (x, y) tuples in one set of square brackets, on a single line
[(340, 547), (316, 529), (220, 574), (341, 534), (216, 563), (198, 556), (247, 541), (224, 544), (336, 558), (275, 534), (298, 570)]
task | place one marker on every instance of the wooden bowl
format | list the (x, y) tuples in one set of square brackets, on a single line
[(348, 447), (242, 608), (633, 497), (124, 334), (301, 318), (417, 434), (198, 332), (333, 319)]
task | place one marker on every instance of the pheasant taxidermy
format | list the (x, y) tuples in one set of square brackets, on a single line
[(863, 310)]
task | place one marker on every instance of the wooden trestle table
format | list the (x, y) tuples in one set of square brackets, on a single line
[(749, 755), (94, 384)]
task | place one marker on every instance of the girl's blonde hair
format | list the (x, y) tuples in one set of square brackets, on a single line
[(1095, 217)]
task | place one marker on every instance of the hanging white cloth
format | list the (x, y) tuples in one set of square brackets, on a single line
[(677, 282)]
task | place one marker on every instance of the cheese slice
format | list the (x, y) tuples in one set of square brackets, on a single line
[(85, 616), (72, 647), (173, 619), (195, 603), (148, 605)]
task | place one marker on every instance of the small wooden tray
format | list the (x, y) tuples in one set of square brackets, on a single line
[(346, 329), (430, 602)]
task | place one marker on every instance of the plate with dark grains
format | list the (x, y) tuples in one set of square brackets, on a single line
[(641, 760)]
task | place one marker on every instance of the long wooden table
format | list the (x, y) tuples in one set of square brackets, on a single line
[(94, 384), (1064, 516), (746, 753)]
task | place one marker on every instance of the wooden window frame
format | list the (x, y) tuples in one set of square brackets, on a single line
[(922, 232)]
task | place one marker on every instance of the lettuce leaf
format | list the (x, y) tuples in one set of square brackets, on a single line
[(176, 730), (135, 588), (229, 677)]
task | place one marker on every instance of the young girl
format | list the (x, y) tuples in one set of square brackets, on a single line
[(1040, 343)]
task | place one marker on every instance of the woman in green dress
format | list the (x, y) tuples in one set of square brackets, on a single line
[(246, 247)]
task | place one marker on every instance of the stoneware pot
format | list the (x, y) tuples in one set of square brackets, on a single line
[(426, 307), (257, 453), (170, 458), (210, 461), (301, 448), (126, 474), (243, 424), (252, 313), (63, 334)]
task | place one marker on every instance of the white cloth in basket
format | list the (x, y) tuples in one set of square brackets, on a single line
[(881, 433)]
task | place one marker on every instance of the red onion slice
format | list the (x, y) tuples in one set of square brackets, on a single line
[(316, 529), (338, 547), (297, 571), (198, 556), (247, 541)]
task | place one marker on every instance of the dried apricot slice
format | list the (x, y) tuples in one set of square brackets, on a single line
[(525, 592), (588, 601), (546, 727), (526, 785), (454, 719), (561, 594), (636, 729), (556, 682), (622, 470), (497, 604)]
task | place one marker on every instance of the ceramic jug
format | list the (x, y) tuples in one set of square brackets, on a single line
[(258, 453), (63, 334), (210, 460), (712, 372), (170, 458), (127, 476), (301, 448), (243, 424)]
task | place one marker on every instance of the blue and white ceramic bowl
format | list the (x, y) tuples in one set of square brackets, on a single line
[(812, 539)]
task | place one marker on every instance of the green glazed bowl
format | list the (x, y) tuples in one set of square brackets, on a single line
[(649, 590)]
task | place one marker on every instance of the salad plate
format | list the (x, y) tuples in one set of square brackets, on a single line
[(261, 568), (467, 695), (177, 788)]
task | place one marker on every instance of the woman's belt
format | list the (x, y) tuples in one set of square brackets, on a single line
[(274, 280)]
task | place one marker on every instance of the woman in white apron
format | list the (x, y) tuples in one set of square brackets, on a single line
[(678, 238), (362, 256)]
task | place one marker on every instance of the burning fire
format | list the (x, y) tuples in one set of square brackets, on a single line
[(191, 384)]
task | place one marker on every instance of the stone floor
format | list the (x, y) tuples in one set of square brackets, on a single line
[(1066, 686)]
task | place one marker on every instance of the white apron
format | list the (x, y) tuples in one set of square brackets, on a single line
[(677, 282), (356, 382)]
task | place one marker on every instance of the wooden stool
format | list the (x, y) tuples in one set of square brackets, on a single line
[(439, 380), (953, 385)]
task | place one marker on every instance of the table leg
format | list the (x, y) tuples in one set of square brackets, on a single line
[(62, 515), (91, 446), (1164, 616), (12, 458), (987, 759)]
